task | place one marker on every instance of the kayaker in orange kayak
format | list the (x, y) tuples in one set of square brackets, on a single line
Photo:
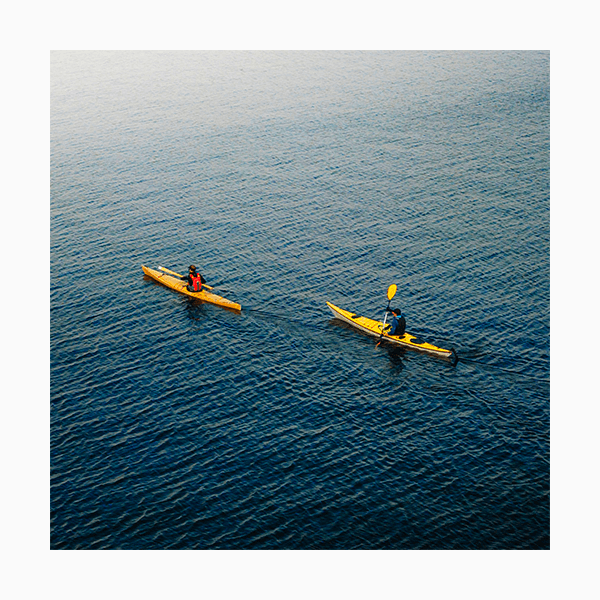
[(194, 280)]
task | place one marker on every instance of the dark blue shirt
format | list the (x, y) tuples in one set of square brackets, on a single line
[(398, 325)]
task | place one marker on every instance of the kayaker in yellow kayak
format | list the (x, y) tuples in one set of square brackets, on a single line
[(398, 324), (194, 280)]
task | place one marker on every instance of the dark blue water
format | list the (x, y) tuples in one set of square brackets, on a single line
[(292, 179)]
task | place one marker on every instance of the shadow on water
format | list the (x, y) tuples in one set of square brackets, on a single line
[(396, 355), (195, 310)]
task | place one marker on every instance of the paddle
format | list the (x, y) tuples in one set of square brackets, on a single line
[(390, 294), (204, 285)]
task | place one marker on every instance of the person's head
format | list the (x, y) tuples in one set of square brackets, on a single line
[(397, 312), (192, 269)]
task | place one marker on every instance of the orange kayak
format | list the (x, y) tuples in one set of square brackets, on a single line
[(180, 286)]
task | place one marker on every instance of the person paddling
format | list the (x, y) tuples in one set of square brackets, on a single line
[(398, 324), (194, 280)]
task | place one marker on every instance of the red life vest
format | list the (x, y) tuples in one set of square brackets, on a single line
[(196, 282)]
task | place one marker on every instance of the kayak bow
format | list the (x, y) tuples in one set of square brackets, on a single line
[(180, 286), (375, 329)]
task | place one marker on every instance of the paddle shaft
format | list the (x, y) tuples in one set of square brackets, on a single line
[(390, 294), (383, 326), (385, 317)]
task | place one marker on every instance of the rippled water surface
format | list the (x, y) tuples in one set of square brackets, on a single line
[(293, 179)]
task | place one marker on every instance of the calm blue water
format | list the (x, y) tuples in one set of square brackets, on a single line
[(293, 178)]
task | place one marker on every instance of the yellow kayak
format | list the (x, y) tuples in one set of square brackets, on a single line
[(373, 328), (180, 286)]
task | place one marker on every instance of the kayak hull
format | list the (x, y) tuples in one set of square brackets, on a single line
[(180, 286), (373, 328)]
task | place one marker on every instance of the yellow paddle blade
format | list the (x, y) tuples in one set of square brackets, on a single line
[(392, 291)]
